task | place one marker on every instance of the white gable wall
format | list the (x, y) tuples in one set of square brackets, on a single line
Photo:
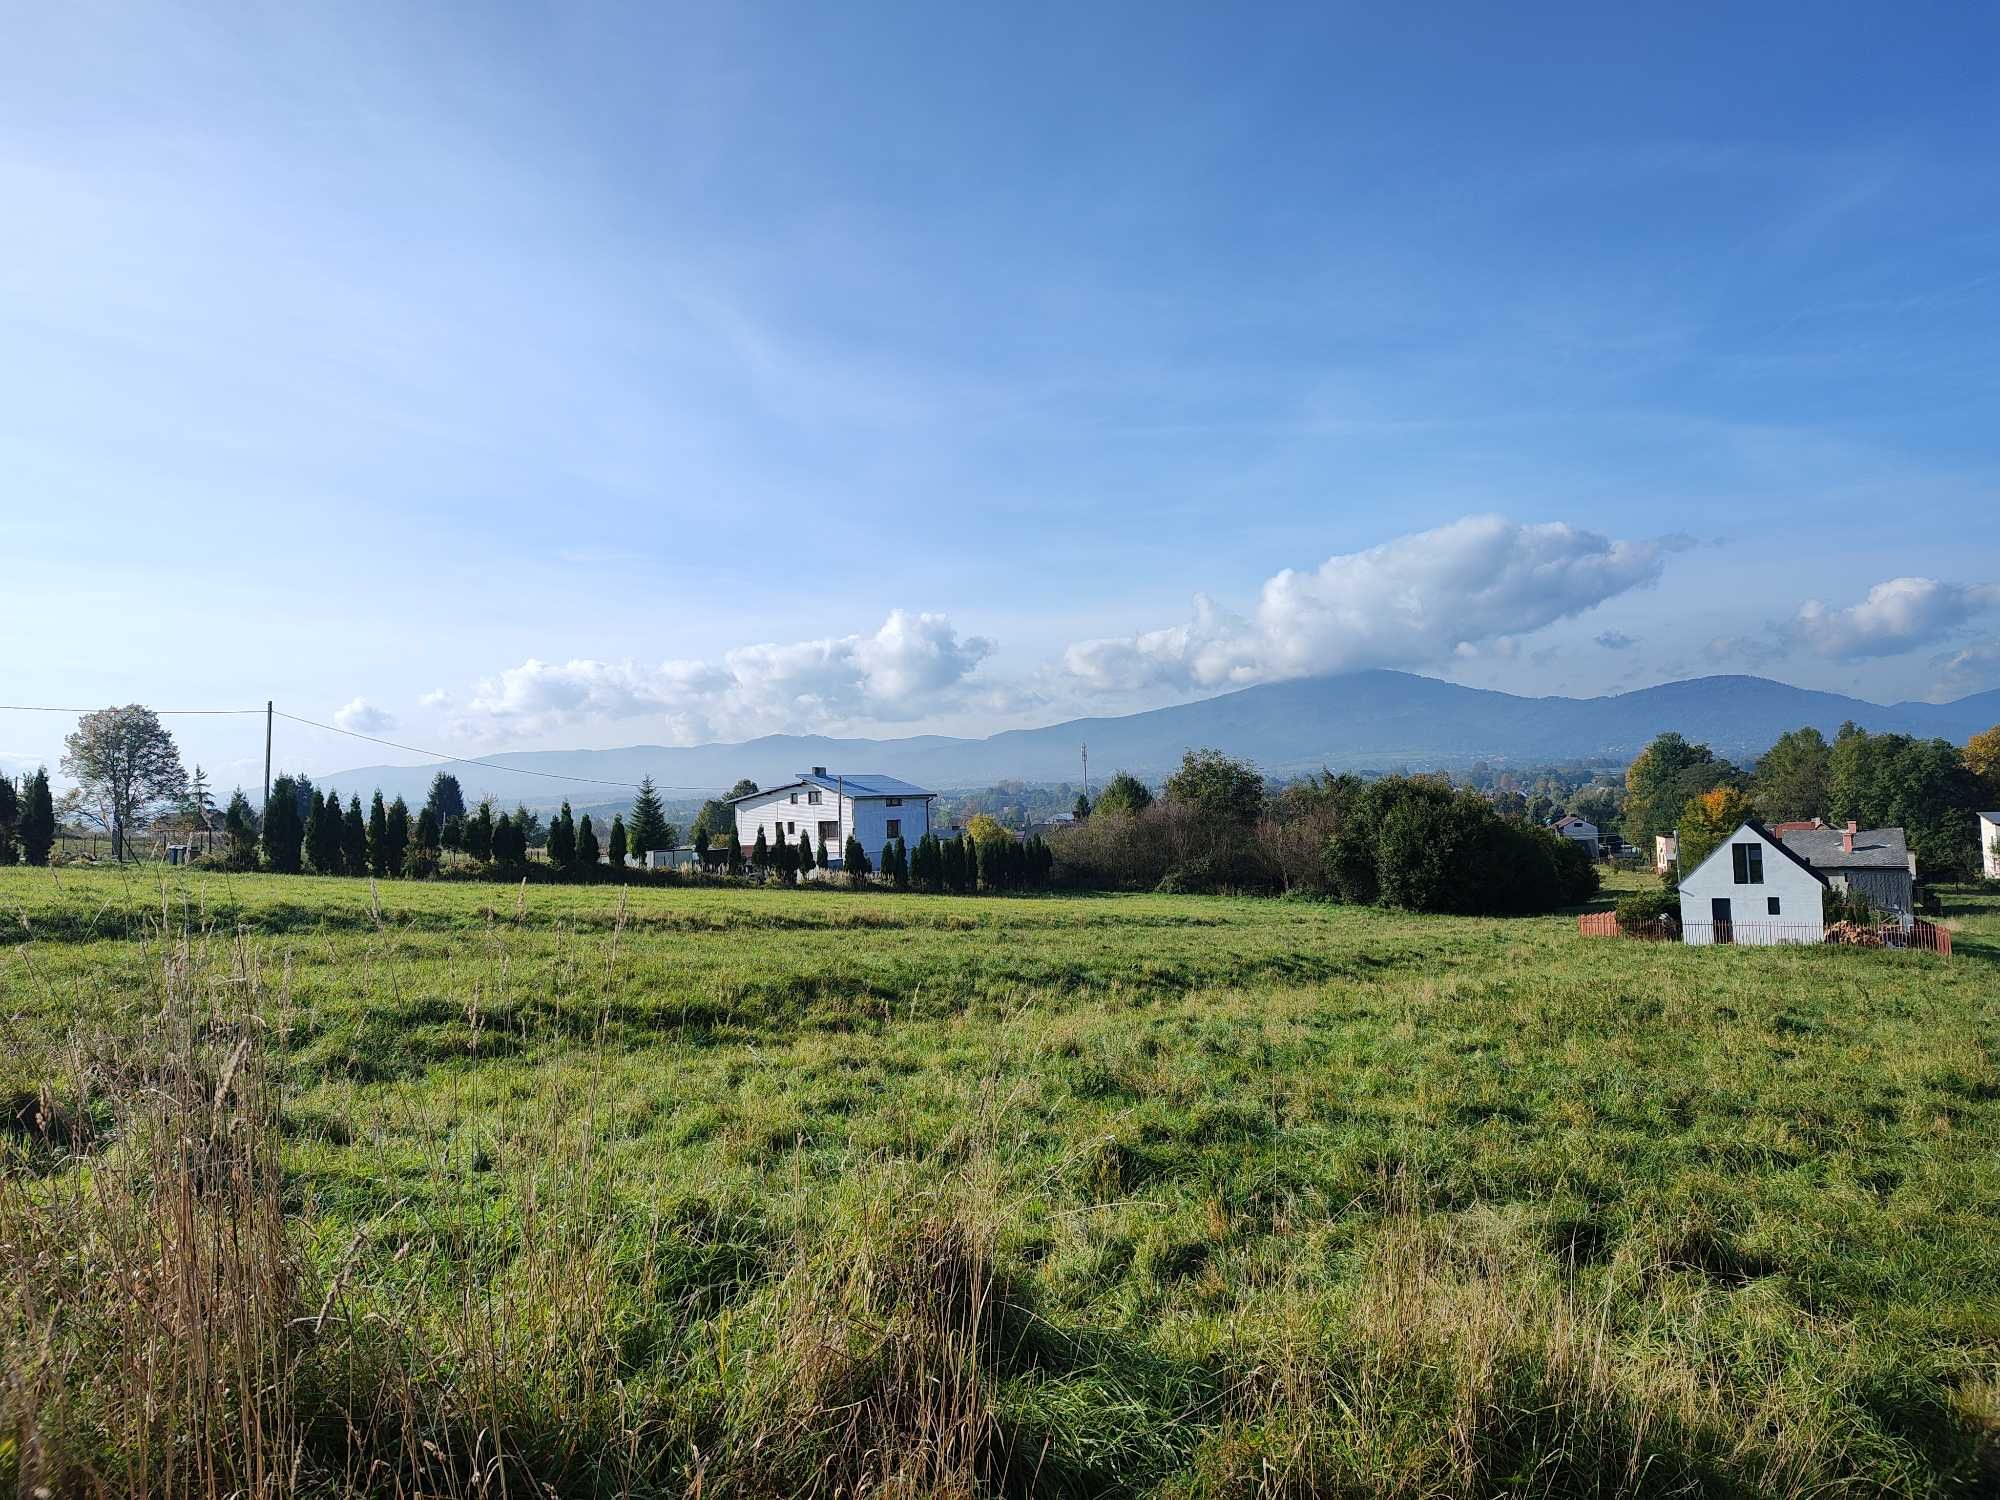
[(1989, 844), (1798, 919)]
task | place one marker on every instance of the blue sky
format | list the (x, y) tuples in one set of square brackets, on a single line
[(595, 375)]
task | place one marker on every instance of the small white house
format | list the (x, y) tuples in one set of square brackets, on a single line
[(871, 807), (1582, 830), (1752, 890), (1989, 845), (1666, 848)]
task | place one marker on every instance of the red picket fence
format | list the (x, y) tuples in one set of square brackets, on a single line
[(1921, 937)]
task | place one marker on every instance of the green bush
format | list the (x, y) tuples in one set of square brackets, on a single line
[(1415, 842), (1642, 909)]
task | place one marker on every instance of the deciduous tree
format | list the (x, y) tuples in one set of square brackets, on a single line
[(1794, 778), (124, 763)]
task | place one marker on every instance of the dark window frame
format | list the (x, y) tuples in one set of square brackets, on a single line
[(1747, 861)]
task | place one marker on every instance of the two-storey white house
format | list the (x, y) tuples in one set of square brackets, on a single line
[(1989, 845), (831, 806), (1753, 890)]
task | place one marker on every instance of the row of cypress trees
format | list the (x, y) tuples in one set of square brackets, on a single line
[(956, 864), (27, 819), (962, 865)]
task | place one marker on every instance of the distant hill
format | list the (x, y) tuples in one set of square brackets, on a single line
[(1359, 721)]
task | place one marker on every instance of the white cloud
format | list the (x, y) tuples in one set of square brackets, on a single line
[(914, 666), (1897, 616), (1459, 592), (1970, 670), (437, 698), (1616, 640), (363, 717)]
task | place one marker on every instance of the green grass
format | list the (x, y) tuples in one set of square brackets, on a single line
[(777, 1192)]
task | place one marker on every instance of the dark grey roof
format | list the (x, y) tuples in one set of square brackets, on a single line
[(1874, 849), (861, 784), (1757, 827), (865, 784)]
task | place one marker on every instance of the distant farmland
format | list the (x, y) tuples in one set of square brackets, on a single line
[(778, 1192)]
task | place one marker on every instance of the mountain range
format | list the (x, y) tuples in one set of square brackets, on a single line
[(1376, 720)]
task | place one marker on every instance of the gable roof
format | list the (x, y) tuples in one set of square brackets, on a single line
[(1567, 819), (1769, 838), (863, 785), (1874, 848)]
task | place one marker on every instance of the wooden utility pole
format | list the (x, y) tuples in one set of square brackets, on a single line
[(267, 758)]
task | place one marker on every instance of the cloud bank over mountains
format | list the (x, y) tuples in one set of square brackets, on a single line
[(1462, 593), (910, 667), (1416, 601)]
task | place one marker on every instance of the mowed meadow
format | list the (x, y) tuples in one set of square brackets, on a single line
[(468, 1190)]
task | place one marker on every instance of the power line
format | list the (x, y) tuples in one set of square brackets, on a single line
[(468, 761), (43, 708)]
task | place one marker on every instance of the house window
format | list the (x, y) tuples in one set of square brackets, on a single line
[(828, 829), (812, 798), (1749, 863), (895, 828), (795, 796), (791, 828), (1771, 905), (895, 801)]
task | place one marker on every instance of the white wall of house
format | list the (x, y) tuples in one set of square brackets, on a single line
[(807, 809), (1989, 844), (1781, 905)]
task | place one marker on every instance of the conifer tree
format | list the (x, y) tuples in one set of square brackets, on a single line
[(784, 859), (855, 860), (615, 845), (397, 842), (479, 831), (452, 833), (315, 834), (284, 825), (378, 836), (701, 842), (239, 833), (824, 859), (10, 819), (354, 839), (504, 835), (760, 853), (1080, 809), (732, 856), (648, 829), (587, 851), (562, 840), (420, 860), (446, 800), (38, 819)]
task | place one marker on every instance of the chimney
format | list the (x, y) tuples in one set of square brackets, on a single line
[(819, 770), (1847, 836)]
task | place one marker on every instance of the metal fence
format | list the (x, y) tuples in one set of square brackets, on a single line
[(1916, 936)]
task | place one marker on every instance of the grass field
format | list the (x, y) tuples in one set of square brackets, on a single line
[(558, 1190)]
